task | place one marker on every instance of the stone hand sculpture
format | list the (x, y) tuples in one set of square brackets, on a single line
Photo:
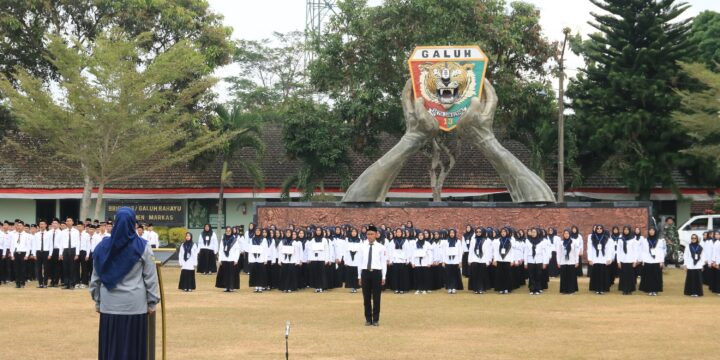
[(475, 125)]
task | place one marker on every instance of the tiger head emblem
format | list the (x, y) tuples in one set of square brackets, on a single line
[(447, 83)]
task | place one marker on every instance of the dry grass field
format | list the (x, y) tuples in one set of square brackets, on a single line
[(210, 324)]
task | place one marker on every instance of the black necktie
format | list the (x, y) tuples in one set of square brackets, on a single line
[(53, 240), (369, 264), (42, 241), (69, 237)]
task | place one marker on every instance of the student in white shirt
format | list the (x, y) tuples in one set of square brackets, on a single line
[(69, 245), (479, 257), (421, 255), (84, 254), (352, 260), (639, 239), (553, 238), (208, 245), (152, 237), (627, 259), (228, 276), (467, 237), (318, 254), (55, 235), (600, 256), (520, 246), (373, 260), (504, 261), (580, 242), (715, 262), (20, 248), (41, 251), (399, 255), (452, 249), (652, 255), (695, 258), (437, 272), (339, 250), (290, 258), (567, 250), (4, 253), (187, 257), (537, 255), (257, 257)]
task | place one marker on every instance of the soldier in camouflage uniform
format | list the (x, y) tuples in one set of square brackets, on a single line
[(673, 242)]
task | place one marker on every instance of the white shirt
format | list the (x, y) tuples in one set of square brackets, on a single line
[(94, 241), (572, 256), (212, 242), (352, 258), (191, 262), (689, 262), (3, 243), (257, 253), (74, 242), (153, 239), (290, 253), (41, 242), (233, 253), (452, 254), (487, 252), (318, 250), (597, 256), (20, 242), (85, 242), (520, 249), (421, 256), (378, 261), (542, 252), (339, 248), (633, 252), (646, 253), (716, 253), (403, 255), (497, 251)]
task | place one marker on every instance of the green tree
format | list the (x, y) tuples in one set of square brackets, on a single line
[(110, 119), (315, 135), (247, 129), (706, 34), (700, 113), (361, 64), (624, 97), (24, 24)]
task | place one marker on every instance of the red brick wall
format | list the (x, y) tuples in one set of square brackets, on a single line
[(458, 217)]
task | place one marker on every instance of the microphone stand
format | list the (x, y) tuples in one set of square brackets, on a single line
[(287, 334)]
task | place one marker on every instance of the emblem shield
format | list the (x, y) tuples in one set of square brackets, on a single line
[(447, 78)]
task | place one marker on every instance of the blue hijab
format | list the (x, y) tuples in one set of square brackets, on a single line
[(116, 255)]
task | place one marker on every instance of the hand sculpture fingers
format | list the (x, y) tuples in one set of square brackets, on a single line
[(481, 112), (417, 118)]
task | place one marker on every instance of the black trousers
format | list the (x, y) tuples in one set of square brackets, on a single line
[(42, 267), (85, 270), (371, 288), (55, 267), (535, 277), (20, 271), (69, 268)]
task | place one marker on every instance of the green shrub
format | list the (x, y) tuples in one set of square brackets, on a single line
[(176, 235), (162, 232)]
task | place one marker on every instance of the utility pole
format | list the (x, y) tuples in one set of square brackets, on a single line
[(561, 119)]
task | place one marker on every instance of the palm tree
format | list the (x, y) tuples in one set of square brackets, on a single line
[(246, 128)]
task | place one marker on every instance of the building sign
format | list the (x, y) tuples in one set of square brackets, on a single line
[(447, 78), (157, 212)]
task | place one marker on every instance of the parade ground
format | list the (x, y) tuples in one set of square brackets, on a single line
[(211, 324)]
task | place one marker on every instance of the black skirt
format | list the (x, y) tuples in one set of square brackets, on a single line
[(206, 261), (568, 279), (438, 277), (275, 275), (187, 280), (479, 279), (351, 277), (453, 279), (535, 277), (553, 269), (693, 282), (258, 275), (401, 277), (228, 277), (503, 276), (519, 276), (599, 279), (390, 277), (713, 279), (329, 276), (579, 269), (421, 276), (627, 278), (652, 280), (316, 278), (288, 277), (339, 275), (123, 337), (613, 272), (465, 265)]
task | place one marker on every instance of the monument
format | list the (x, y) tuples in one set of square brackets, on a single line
[(448, 91)]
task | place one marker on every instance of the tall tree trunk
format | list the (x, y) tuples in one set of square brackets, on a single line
[(86, 195), (99, 200), (220, 207)]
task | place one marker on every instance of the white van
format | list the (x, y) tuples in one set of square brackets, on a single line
[(698, 225)]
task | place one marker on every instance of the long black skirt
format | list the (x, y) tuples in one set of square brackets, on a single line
[(438, 277), (272, 274), (453, 278), (339, 275), (316, 277), (465, 265), (503, 276), (713, 279), (568, 279), (519, 276), (351, 277), (244, 260), (187, 280), (579, 269), (401, 277), (303, 276), (693, 282), (228, 277), (613, 272), (627, 278), (479, 279), (123, 337), (206, 262), (421, 276), (258, 275), (599, 279), (535, 279), (390, 277), (651, 280), (553, 269), (288, 277), (329, 276)]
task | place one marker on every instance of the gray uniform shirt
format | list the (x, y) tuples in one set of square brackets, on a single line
[(137, 291)]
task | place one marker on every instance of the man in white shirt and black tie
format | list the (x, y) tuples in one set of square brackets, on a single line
[(42, 251), (373, 262), (69, 245)]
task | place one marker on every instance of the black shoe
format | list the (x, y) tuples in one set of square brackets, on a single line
[(376, 323), (367, 323)]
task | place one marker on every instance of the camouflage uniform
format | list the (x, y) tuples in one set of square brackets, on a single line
[(673, 242)]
